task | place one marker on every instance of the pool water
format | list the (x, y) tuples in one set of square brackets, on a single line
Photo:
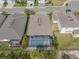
[(36, 42), (39, 41)]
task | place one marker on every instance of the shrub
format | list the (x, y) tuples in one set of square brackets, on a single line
[(24, 40)]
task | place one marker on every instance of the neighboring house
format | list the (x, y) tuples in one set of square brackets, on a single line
[(69, 54), (30, 3), (72, 4), (9, 1), (41, 2), (1, 2), (13, 27), (67, 23), (39, 32)]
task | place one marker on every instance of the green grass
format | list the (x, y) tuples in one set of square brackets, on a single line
[(66, 41), (49, 3), (18, 4), (36, 3), (76, 13)]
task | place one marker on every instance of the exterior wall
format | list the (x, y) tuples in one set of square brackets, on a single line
[(1, 40), (77, 28), (41, 1), (66, 30), (73, 5)]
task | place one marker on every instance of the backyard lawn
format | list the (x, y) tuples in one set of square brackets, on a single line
[(66, 41)]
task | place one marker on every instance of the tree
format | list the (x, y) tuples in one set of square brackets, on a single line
[(5, 13), (36, 2), (5, 3), (7, 52), (55, 42), (24, 38), (50, 15), (24, 41), (29, 12)]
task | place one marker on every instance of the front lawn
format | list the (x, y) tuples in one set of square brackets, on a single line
[(19, 4), (66, 41)]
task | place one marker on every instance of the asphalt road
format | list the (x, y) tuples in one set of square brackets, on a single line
[(35, 9)]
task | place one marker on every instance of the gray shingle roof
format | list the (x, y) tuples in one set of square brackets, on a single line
[(13, 28), (2, 18), (19, 23), (39, 25), (68, 20)]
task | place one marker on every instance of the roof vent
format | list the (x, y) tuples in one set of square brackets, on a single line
[(39, 21)]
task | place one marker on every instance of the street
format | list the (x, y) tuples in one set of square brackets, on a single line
[(35, 9)]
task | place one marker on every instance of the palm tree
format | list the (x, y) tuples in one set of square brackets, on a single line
[(24, 37), (28, 13), (5, 3)]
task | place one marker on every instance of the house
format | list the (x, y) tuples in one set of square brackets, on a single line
[(41, 2), (9, 1), (39, 32), (30, 3), (69, 54), (67, 23), (2, 19), (1, 2), (72, 4), (13, 27)]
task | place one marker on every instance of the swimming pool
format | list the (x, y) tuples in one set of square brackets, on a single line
[(36, 42), (39, 41)]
